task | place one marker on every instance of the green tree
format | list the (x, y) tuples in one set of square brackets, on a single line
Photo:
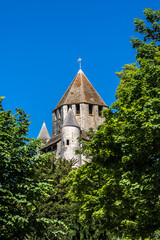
[(87, 216), (127, 146), (57, 206), (21, 189)]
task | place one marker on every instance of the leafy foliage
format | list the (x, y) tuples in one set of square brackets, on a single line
[(121, 192), (20, 188), (58, 205), (88, 216), (117, 194)]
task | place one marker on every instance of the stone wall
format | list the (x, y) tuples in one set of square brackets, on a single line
[(70, 143), (58, 151), (87, 120), (57, 121), (84, 118)]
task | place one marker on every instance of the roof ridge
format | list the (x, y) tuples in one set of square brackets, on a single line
[(80, 91)]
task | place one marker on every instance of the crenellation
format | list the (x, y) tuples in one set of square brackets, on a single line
[(74, 109), (65, 110)]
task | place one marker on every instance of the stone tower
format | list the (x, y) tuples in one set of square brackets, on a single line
[(78, 110), (69, 140), (44, 134)]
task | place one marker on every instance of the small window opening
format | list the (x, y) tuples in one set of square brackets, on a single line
[(60, 112), (100, 108), (69, 107), (55, 114), (54, 147), (90, 109), (67, 142), (77, 108)]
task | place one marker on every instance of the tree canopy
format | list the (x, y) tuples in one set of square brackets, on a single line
[(121, 192), (21, 188), (58, 205), (117, 193)]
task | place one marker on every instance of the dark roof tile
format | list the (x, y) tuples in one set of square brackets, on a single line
[(80, 91)]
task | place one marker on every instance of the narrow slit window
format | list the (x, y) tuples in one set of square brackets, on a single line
[(77, 108), (100, 108), (90, 109), (55, 114), (69, 107), (67, 142), (59, 112)]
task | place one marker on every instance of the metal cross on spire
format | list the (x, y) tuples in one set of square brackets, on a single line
[(79, 60)]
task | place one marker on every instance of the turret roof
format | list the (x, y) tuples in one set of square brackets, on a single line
[(70, 119), (80, 91), (44, 134)]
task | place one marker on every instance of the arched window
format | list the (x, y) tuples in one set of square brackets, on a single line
[(67, 142)]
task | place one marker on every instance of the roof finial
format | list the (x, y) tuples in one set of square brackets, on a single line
[(79, 60)]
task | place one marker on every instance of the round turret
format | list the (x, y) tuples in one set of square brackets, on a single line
[(70, 134)]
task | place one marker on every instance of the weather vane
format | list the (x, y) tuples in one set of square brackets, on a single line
[(79, 60)]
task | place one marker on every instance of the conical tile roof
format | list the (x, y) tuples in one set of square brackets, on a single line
[(70, 119), (44, 134), (80, 91)]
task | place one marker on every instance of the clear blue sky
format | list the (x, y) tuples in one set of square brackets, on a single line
[(40, 42)]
